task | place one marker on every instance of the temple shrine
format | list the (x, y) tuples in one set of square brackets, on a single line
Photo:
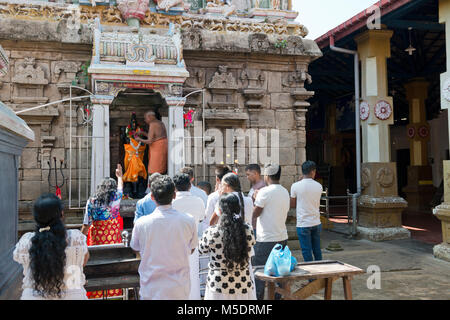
[(83, 82)]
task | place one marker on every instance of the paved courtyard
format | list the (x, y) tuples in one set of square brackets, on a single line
[(408, 269)]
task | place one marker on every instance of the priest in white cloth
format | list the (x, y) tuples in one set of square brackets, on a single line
[(194, 206)]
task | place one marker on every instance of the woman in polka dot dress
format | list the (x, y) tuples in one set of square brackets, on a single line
[(229, 244)]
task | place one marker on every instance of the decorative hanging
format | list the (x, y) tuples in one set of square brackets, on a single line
[(364, 111), (411, 132), (410, 49), (423, 132), (383, 110), (188, 117)]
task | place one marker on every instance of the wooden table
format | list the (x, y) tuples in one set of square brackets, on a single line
[(324, 273)]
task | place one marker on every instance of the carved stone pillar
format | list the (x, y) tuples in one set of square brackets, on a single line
[(442, 211), (420, 190), (379, 207), (176, 156), (253, 82), (100, 163)]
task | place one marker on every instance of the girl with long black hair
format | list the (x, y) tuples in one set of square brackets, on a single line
[(229, 244), (52, 257)]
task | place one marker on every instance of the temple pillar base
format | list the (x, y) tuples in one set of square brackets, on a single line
[(442, 251), (381, 218), (383, 234), (379, 207), (420, 190)]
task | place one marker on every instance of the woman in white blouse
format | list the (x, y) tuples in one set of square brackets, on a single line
[(52, 257)]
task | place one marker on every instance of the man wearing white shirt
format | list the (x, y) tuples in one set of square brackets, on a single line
[(270, 212), (192, 205), (165, 239), (195, 190), (305, 197)]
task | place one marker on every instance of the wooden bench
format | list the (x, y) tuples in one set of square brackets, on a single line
[(323, 273)]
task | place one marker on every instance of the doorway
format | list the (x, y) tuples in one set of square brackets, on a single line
[(403, 162)]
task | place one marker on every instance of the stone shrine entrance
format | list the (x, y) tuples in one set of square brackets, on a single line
[(132, 102), (134, 70)]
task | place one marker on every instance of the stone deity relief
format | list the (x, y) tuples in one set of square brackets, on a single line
[(222, 79), (28, 72)]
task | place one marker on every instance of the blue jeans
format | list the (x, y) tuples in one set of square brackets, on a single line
[(309, 238)]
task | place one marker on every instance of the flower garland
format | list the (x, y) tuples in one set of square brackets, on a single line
[(188, 117), (132, 133)]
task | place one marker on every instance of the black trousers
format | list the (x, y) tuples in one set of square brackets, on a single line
[(262, 252)]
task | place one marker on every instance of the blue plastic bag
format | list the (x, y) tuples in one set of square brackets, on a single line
[(270, 269), (280, 262)]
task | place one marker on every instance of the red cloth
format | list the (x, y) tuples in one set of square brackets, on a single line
[(105, 232)]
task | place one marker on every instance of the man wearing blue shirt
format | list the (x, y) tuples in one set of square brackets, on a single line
[(146, 205)]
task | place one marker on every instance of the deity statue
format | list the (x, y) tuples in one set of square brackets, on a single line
[(167, 4), (135, 175), (133, 8)]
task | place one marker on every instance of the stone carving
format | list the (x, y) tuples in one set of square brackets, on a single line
[(365, 177), (223, 80), (252, 78), (65, 71), (259, 42), (111, 14), (295, 45), (175, 90), (223, 88), (196, 79), (385, 177), (28, 72), (133, 8), (253, 82), (297, 79), (139, 54), (192, 40), (105, 14), (167, 4), (222, 6), (139, 47)]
